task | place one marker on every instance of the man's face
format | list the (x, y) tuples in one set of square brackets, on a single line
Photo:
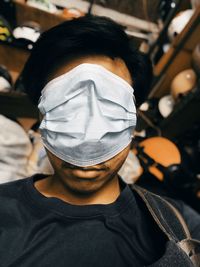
[(90, 179)]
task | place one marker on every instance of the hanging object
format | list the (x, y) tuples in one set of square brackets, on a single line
[(29, 31), (158, 155), (166, 105), (167, 168), (179, 22), (157, 109), (183, 83)]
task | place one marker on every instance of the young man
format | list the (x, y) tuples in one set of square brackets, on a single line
[(81, 74)]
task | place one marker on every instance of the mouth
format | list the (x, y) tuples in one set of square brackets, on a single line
[(74, 167)]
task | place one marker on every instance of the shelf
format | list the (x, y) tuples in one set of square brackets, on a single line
[(185, 114), (177, 58), (13, 57), (26, 13), (190, 35)]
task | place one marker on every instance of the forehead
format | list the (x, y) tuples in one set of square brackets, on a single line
[(117, 66)]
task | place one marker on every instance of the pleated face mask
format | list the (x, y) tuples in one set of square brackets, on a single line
[(89, 115)]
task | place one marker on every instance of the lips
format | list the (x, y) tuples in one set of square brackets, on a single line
[(73, 167), (84, 169)]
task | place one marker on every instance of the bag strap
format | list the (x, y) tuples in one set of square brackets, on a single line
[(166, 216), (171, 222)]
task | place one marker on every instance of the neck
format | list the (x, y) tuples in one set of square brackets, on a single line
[(52, 187)]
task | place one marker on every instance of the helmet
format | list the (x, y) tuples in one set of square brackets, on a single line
[(179, 22), (157, 153), (183, 82), (171, 167), (27, 33), (166, 105)]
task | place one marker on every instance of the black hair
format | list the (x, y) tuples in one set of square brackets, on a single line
[(88, 35)]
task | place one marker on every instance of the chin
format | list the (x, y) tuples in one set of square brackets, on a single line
[(84, 187), (85, 184)]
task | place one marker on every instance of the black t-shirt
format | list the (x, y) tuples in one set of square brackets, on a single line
[(40, 231)]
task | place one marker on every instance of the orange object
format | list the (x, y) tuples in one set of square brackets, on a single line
[(72, 13), (162, 151), (183, 82)]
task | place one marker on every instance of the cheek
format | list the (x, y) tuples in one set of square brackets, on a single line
[(118, 160), (55, 162)]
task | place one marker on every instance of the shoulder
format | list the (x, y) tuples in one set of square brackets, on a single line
[(10, 188), (11, 193), (191, 216), (158, 203), (16, 204)]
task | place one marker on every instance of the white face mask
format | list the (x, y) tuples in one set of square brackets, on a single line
[(89, 115)]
